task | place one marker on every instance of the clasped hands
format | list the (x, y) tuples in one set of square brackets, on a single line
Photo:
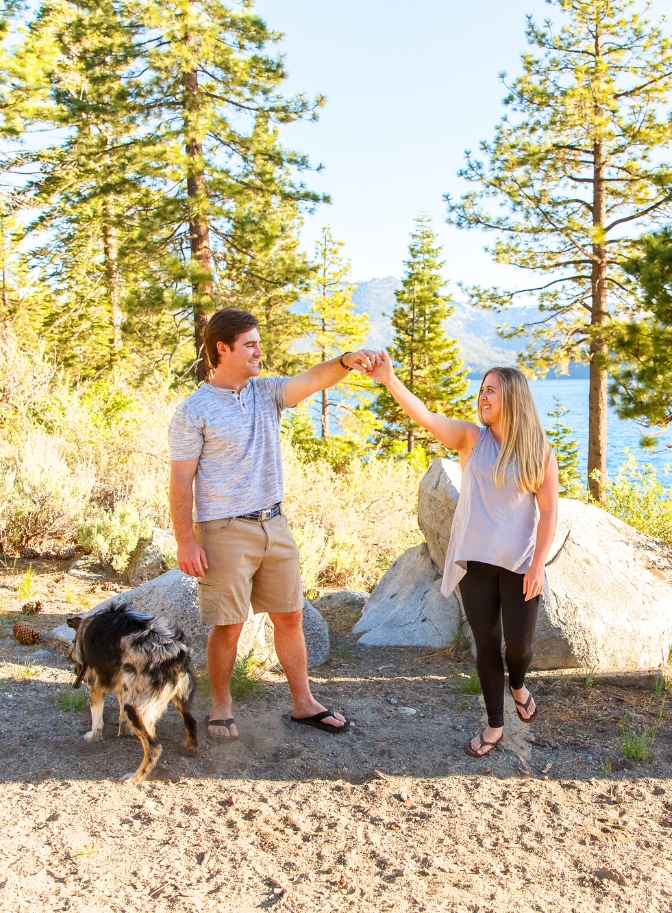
[(376, 365)]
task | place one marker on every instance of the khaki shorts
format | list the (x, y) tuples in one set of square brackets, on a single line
[(250, 562)]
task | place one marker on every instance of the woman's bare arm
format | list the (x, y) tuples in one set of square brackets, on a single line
[(547, 500), (454, 433)]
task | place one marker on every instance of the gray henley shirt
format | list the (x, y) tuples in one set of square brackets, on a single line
[(236, 438)]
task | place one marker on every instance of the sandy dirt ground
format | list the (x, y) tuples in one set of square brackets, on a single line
[(392, 815)]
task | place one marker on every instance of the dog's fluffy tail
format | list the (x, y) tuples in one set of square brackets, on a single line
[(159, 638)]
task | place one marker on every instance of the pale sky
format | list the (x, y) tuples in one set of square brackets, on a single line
[(409, 87)]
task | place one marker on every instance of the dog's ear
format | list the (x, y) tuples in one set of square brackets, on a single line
[(74, 622)]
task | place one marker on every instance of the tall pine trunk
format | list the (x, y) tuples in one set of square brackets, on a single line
[(324, 413), (410, 436), (199, 229), (113, 279), (597, 396)]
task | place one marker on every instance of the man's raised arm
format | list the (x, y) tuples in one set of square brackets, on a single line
[(328, 373)]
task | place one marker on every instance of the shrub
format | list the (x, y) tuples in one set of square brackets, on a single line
[(637, 496), (112, 535), (352, 524), (41, 495)]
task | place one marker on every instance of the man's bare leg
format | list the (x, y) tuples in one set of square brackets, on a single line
[(290, 646), (221, 652)]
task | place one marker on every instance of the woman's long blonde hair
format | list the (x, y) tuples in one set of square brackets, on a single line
[(523, 438)]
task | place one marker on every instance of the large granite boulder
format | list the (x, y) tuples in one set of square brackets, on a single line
[(437, 500), (174, 595), (407, 609), (610, 605)]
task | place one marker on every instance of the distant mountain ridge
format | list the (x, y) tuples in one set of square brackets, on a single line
[(475, 330)]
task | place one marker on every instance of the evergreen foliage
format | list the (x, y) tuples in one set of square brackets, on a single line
[(566, 449), (161, 186), (573, 173), (337, 329), (641, 387), (426, 361)]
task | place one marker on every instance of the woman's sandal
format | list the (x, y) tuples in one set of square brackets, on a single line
[(524, 719), (481, 754)]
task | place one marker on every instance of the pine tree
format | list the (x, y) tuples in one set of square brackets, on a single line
[(565, 447), (162, 187), (214, 95), (573, 175), (641, 387), (426, 361), (73, 72), (336, 326)]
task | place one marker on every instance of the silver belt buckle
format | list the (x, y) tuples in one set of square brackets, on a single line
[(266, 514)]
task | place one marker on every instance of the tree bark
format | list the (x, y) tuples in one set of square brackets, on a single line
[(410, 437), (199, 228), (597, 395), (324, 413), (111, 254)]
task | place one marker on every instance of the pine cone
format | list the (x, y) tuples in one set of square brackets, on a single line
[(32, 608), (26, 634)]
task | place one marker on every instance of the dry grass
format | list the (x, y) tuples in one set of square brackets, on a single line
[(350, 526)]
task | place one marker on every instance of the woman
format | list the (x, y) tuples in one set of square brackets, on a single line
[(502, 530)]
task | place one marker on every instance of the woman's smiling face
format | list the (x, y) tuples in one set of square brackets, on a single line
[(490, 399)]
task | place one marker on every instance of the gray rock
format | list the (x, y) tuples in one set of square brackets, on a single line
[(62, 632), (87, 569), (44, 656), (316, 632), (407, 608), (341, 599), (437, 499), (610, 605), (174, 595), (150, 557)]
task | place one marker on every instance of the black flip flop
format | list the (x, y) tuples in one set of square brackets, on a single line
[(316, 722), (220, 738), (524, 719)]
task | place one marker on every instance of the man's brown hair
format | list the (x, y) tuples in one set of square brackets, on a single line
[(226, 326)]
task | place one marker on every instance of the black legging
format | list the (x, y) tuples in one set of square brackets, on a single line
[(492, 597)]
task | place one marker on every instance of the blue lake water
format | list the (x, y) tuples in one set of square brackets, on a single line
[(620, 434)]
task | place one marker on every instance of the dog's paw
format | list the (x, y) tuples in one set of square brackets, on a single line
[(131, 777), (188, 751), (93, 736)]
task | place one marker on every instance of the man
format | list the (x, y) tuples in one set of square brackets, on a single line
[(225, 458)]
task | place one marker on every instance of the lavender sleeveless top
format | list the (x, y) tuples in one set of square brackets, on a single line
[(492, 525)]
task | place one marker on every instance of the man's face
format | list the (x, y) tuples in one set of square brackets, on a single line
[(244, 356)]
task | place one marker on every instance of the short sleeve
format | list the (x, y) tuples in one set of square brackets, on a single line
[(185, 434), (275, 389)]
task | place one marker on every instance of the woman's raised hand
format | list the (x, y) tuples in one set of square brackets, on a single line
[(383, 372)]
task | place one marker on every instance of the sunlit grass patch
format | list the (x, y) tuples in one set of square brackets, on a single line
[(70, 700), (637, 745), (662, 683), (247, 672), (26, 584), (23, 670), (468, 684)]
